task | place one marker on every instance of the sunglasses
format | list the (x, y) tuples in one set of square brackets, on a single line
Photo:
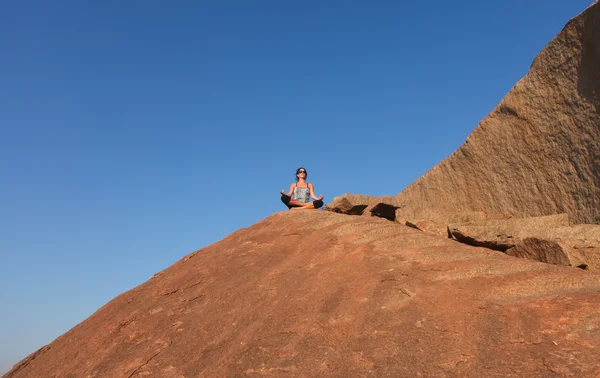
[(301, 171)]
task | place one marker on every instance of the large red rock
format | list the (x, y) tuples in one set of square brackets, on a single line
[(583, 238), (314, 293), (547, 251), (502, 234), (579, 236), (382, 207), (350, 204), (538, 152), (581, 241)]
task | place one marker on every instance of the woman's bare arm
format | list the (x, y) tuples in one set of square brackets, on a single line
[(289, 194), (312, 193)]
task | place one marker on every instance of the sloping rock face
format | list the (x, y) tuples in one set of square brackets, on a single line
[(314, 293), (538, 152)]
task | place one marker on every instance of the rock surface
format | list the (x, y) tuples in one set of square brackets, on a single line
[(538, 152), (475, 217), (547, 251), (515, 229), (351, 204), (506, 233), (579, 236), (580, 244), (429, 226), (584, 238), (382, 207), (313, 293)]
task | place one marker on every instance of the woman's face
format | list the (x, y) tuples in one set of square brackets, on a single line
[(301, 173)]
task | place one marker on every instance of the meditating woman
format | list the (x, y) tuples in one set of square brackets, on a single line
[(300, 193)]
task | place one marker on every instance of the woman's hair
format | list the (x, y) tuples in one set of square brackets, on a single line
[(298, 171)]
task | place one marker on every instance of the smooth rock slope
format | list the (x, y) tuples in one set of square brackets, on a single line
[(315, 293)]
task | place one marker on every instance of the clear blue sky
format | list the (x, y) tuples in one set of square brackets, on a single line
[(135, 132)]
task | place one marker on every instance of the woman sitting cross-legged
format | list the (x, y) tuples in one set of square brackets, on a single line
[(300, 193)]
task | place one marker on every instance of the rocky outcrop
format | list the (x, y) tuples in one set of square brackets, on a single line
[(509, 232), (584, 238), (580, 236), (369, 206), (382, 207), (547, 251), (314, 293), (350, 204), (577, 244), (538, 152), (502, 234), (566, 244)]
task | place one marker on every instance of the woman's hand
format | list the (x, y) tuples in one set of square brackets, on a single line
[(321, 197), (282, 192)]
